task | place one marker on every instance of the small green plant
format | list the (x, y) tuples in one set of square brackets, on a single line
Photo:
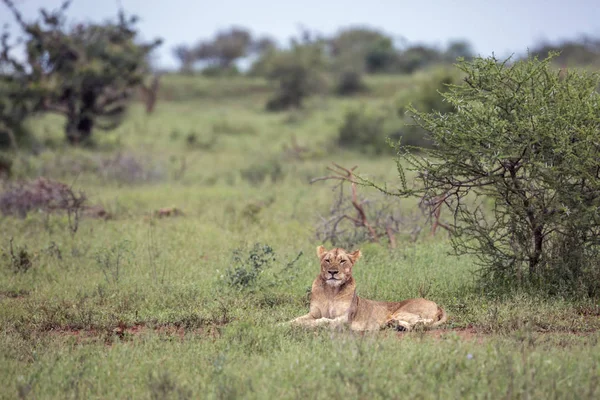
[(19, 259), (111, 261), (246, 269)]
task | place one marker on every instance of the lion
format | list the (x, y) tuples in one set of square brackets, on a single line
[(334, 301)]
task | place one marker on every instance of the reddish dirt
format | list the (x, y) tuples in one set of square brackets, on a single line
[(126, 332), (589, 311), (471, 333), (9, 294)]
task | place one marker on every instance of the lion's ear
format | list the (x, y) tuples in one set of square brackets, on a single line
[(321, 251), (354, 256)]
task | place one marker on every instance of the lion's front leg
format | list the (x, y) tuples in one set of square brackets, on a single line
[(311, 322), (332, 322), (305, 320)]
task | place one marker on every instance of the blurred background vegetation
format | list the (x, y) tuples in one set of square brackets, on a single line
[(89, 73)]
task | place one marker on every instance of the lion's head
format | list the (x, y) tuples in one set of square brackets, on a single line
[(336, 265)]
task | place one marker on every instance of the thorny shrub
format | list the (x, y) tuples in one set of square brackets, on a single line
[(40, 194)]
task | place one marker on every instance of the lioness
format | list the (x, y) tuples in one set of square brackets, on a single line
[(334, 301)]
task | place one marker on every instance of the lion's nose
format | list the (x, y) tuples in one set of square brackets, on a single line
[(332, 272)]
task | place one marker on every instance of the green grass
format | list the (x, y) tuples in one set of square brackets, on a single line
[(168, 326)]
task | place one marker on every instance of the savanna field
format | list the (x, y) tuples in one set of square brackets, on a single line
[(208, 243)]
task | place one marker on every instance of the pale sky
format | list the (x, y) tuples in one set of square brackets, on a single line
[(502, 27)]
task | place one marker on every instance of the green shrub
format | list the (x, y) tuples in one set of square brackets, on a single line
[(349, 82), (246, 268), (525, 139), (298, 74), (426, 96), (257, 173), (367, 130), (112, 260), (18, 258)]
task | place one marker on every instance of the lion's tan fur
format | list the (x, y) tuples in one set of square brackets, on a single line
[(334, 301)]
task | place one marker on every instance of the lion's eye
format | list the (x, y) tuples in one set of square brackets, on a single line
[(343, 261), (327, 261)]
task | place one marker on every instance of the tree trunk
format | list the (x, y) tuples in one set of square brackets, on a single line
[(78, 128), (150, 94), (535, 258)]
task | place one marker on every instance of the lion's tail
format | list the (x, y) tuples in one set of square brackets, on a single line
[(441, 317)]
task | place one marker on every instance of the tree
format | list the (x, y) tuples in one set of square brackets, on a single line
[(517, 162), (582, 52), (85, 73), (225, 48), (458, 48), (219, 54), (263, 45), (416, 57), (364, 49), (185, 56), (297, 72)]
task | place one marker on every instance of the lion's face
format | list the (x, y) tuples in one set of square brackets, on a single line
[(336, 265)]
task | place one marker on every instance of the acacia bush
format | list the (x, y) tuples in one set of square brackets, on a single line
[(41, 194), (518, 164)]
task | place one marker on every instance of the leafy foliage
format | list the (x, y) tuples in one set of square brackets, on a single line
[(517, 163), (14, 108)]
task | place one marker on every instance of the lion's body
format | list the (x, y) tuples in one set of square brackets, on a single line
[(334, 301)]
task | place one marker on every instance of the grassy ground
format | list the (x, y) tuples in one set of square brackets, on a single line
[(141, 307)]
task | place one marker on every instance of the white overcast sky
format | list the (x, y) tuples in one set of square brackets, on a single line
[(501, 27)]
